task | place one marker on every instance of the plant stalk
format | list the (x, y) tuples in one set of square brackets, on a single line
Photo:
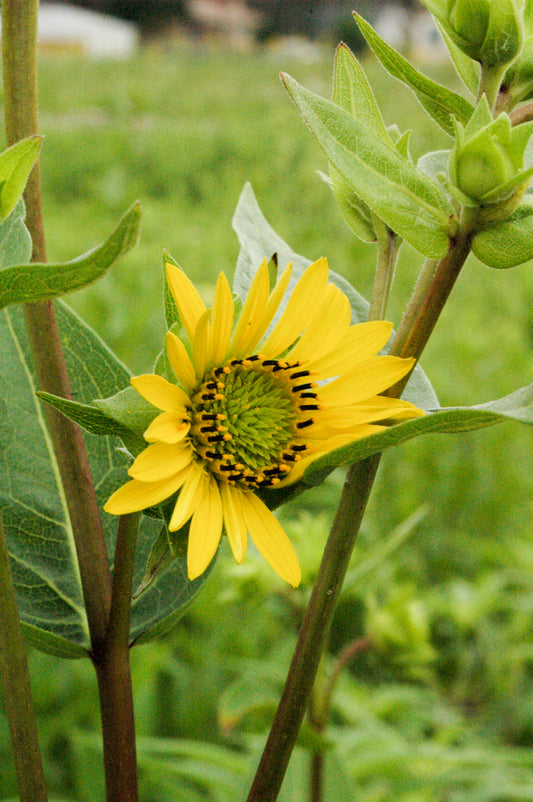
[(314, 631), (388, 247), (17, 689), (108, 618), (112, 665), (19, 53), (428, 300)]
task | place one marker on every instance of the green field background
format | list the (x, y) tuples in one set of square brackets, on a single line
[(439, 706)]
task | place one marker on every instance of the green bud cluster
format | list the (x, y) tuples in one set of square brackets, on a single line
[(489, 31), (486, 165)]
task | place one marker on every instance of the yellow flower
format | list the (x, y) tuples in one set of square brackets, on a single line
[(253, 405)]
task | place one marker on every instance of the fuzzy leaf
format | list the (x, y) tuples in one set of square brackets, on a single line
[(516, 406), (27, 283), (257, 239), (15, 166), (40, 541), (510, 243), (15, 240), (405, 199), (440, 103)]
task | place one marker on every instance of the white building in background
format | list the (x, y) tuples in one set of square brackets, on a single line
[(65, 28)]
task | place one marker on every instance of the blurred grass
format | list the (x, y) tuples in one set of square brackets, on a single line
[(442, 712)]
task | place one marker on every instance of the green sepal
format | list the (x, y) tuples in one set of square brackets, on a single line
[(438, 101), (509, 243), (516, 406), (15, 166), (469, 71), (159, 558), (32, 282), (94, 421), (402, 196), (130, 410), (172, 316)]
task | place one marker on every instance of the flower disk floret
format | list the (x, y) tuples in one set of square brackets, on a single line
[(253, 404)]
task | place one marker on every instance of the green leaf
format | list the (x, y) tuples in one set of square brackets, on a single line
[(40, 540), (516, 406), (440, 103), (128, 409), (15, 166), (405, 199), (27, 283), (510, 243), (15, 240), (352, 92), (92, 420), (257, 239)]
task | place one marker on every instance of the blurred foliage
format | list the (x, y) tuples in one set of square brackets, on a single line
[(439, 705)]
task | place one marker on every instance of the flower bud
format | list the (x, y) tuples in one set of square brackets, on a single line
[(486, 165), (489, 31), (518, 79)]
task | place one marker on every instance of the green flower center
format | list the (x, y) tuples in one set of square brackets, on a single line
[(247, 417)]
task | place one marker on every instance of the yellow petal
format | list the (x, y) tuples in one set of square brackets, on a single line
[(361, 341), (222, 319), (270, 539), (136, 495), (181, 364), (161, 393), (369, 378), (160, 461), (189, 496), (234, 522), (245, 335), (190, 305), (167, 428), (301, 307), (326, 330), (271, 308), (202, 344), (205, 530)]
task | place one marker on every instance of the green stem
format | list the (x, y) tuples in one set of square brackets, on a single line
[(113, 672), (314, 631), (489, 83), (17, 690), (19, 52), (388, 247), (429, 298)]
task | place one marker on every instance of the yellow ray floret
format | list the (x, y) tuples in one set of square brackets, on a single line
[(252, 403)]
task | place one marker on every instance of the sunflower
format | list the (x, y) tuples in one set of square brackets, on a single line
[(253, 404)]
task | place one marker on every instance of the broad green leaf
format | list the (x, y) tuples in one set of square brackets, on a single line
[(257, 239), (440, 103), (15, 240), (15, 166), (405, 199), (38, 531), (27, 283), (128, 409), (510, 243), (516, 406)]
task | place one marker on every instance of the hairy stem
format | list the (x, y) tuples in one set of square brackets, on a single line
[(17, 690)]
